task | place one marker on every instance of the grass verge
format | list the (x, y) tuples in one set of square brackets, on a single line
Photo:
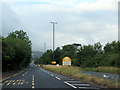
[(74, 72), (112, 70)]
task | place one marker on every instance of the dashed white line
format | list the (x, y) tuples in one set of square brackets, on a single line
[(57, 78), (69, 84)]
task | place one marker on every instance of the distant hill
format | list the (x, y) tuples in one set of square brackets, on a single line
[(36, 54)]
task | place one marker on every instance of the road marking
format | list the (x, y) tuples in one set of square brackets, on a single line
[(73, 81), (33, 86), (21, 83), (10, 76), (33, 77), (57, 78), (69, 84), (81, 84), (13, 83), (52, 75), (8, 84), (85, 87), (33, 81), (26, 72)]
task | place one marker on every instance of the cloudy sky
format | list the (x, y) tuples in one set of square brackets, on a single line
[(79, 21)]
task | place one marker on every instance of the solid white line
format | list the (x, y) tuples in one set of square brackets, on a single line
[(69, 84), (73, 81), (57, 78), (84, 87), (81, 84)]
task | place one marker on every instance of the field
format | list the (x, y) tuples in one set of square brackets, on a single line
[(74, 72)]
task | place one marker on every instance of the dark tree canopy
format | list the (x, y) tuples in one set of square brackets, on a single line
[(16, 50), (86, 55)]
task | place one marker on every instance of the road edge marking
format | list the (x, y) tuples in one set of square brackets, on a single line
[(11, 76)]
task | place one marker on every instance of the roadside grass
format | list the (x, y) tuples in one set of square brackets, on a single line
[(112, 70), (74, 72)]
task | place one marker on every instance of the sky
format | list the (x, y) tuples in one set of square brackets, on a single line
[(79, 21)]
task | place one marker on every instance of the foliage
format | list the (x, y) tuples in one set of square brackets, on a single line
[(16, 51), (87, 55)]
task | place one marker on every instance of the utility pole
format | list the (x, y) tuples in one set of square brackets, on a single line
[(53, 23)]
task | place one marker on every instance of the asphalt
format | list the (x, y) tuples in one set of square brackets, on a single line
[(36, 77)]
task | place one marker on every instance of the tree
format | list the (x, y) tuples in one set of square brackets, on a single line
[(16, 49)]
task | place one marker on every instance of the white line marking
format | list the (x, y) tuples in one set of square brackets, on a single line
[(73, 81), (33, 77), (69, 84), (33, 84), (84, 87), (57, 78), (21, 83), (52, 75), (81, 84)]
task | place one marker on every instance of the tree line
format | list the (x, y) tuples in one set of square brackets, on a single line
[(16, 50), (85, 55)]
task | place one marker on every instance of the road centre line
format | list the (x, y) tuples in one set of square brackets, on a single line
[(33, 86), (69, 84), (57, 78), (33, 83)]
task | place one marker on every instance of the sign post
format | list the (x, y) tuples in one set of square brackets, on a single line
[(66, 61)]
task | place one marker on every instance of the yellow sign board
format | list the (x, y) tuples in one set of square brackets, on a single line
[(53, 62), (66, 61)]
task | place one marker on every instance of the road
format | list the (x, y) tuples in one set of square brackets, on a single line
[(37, 77), (104, 75)]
